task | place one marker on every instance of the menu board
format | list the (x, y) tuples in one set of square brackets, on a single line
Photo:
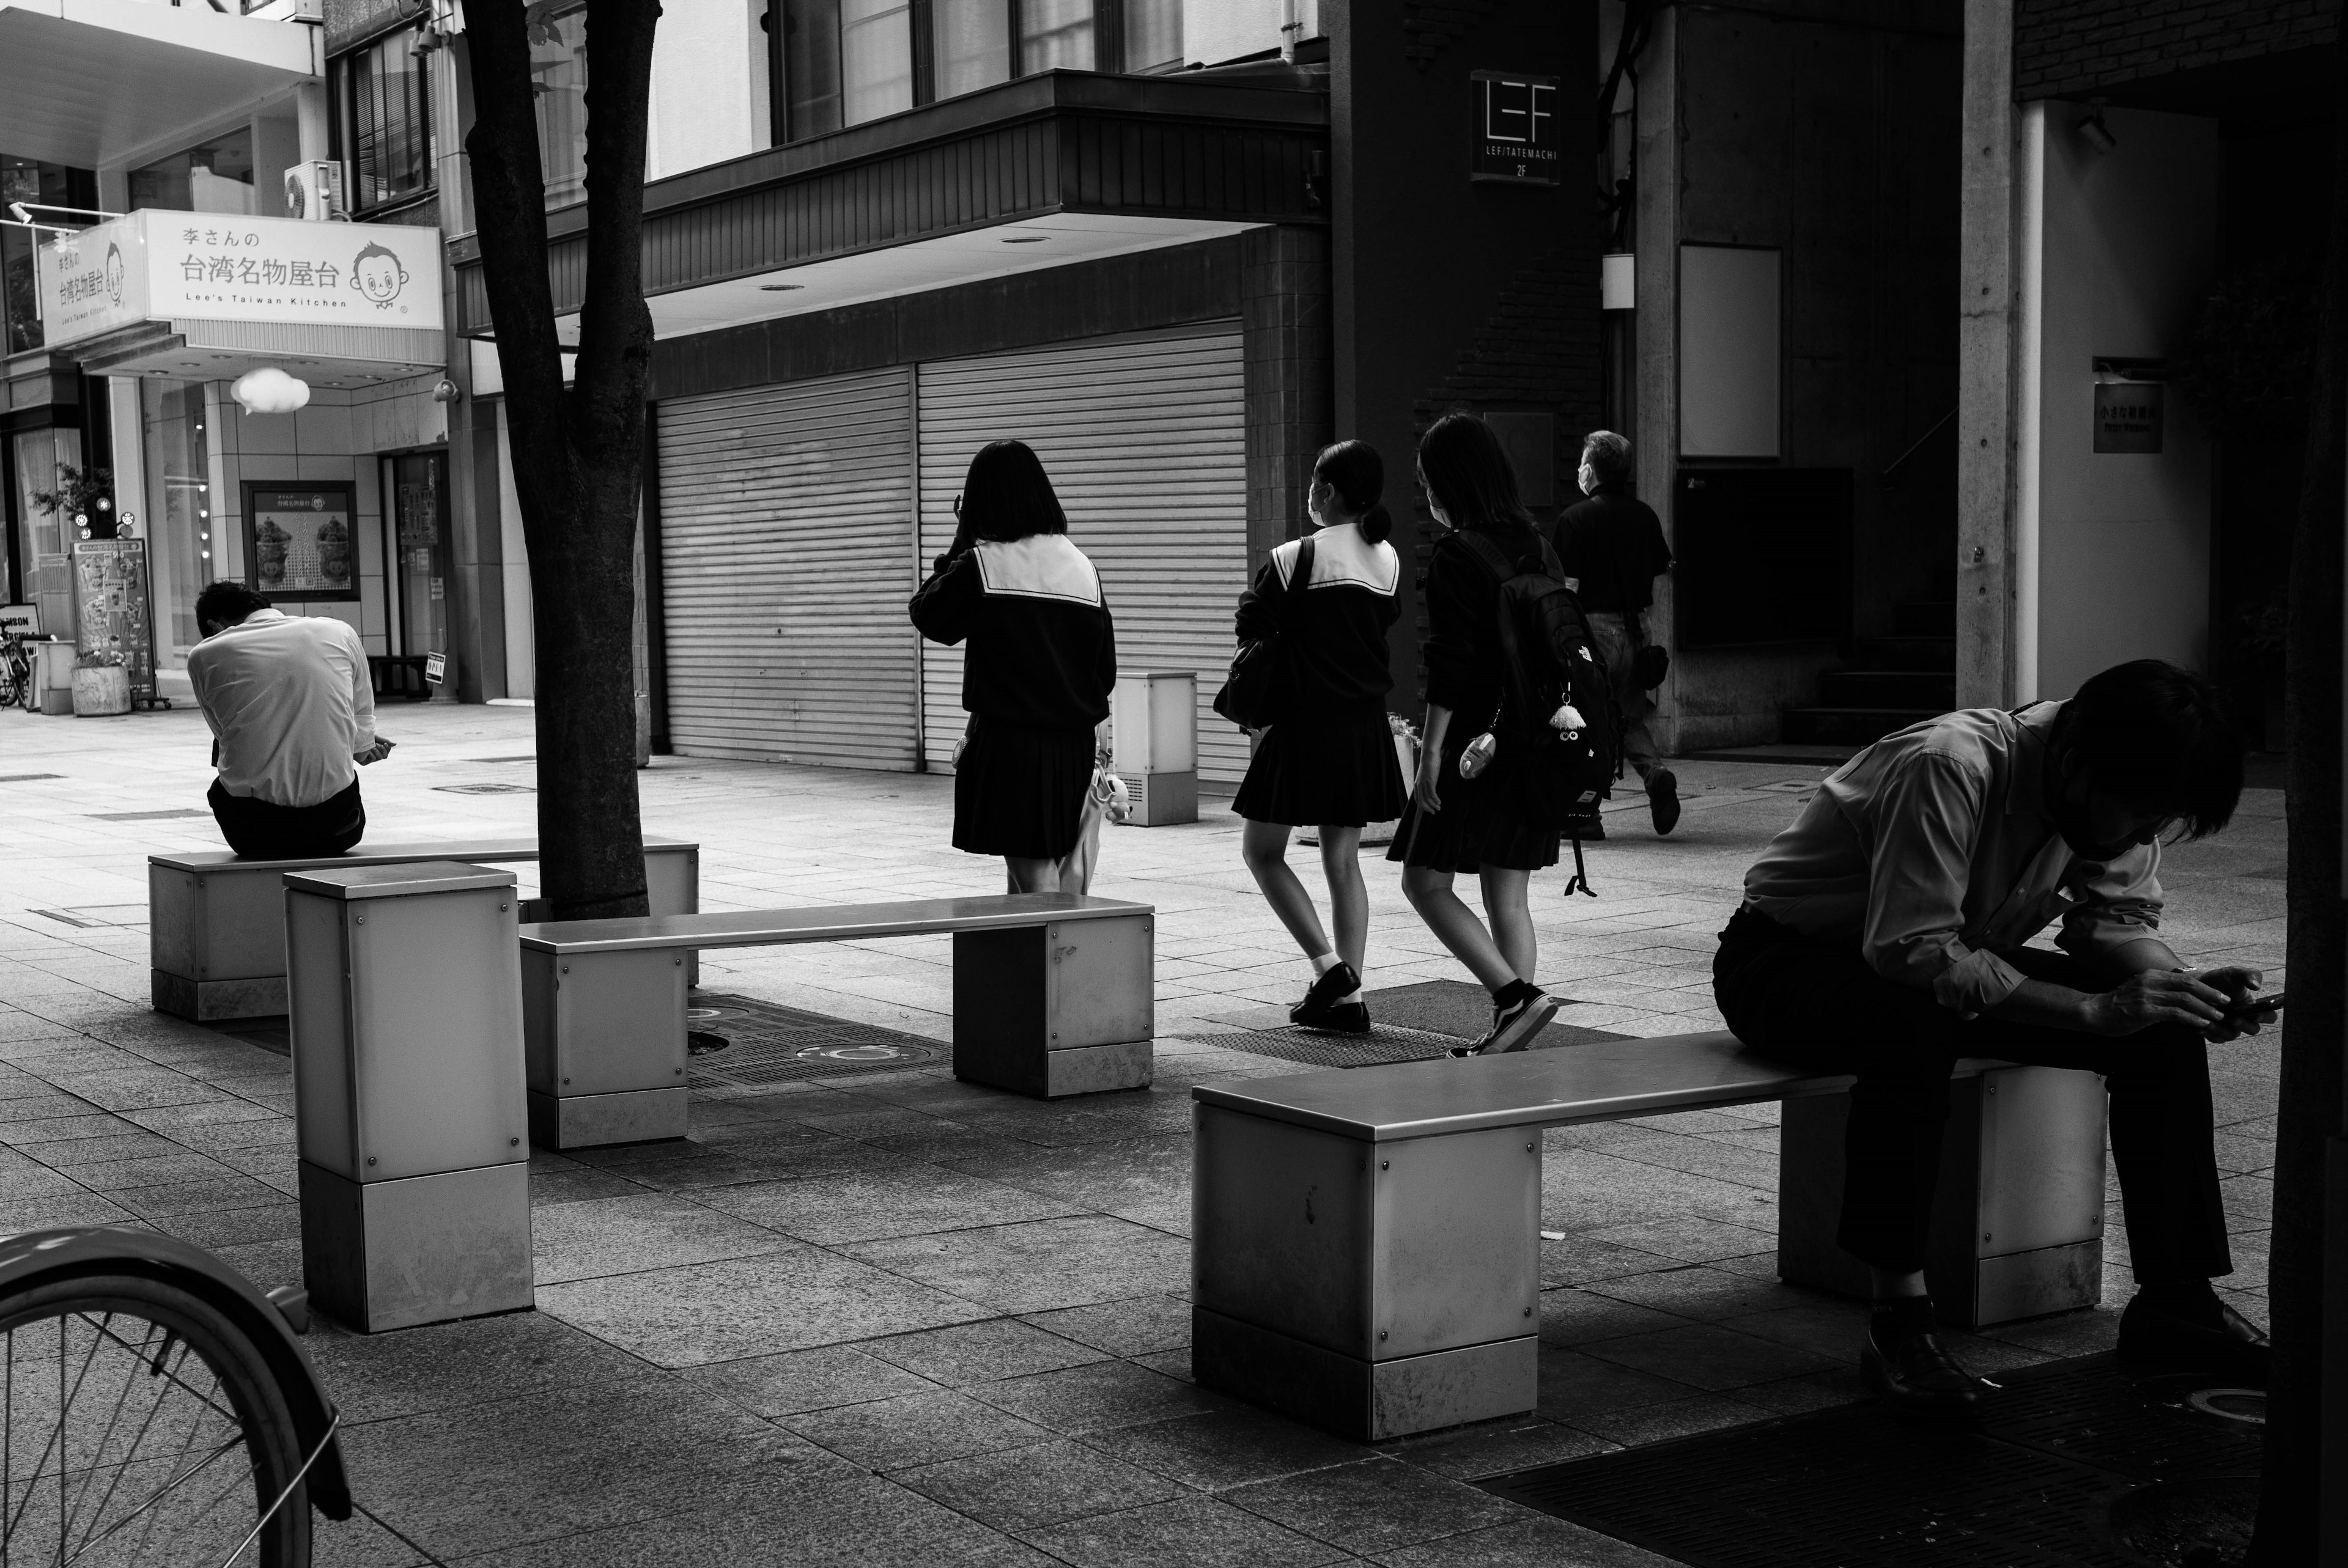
[(299, 544), (110, 589)]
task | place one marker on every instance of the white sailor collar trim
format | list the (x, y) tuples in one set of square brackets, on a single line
[(1040, 566), (1341, 558)]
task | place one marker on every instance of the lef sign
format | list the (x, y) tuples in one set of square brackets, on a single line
[(161, 266), (301, 541), (1515, 138)]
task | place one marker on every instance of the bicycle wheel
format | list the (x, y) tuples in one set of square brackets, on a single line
[(141, 1425)]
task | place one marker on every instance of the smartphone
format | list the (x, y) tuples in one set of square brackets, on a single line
[(2251, 1007)]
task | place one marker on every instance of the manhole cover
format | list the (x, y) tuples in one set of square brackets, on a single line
[(485, 789), (2248, 1406), (766, 1044)]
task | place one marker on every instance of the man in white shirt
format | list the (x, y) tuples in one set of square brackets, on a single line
[(292, 708)]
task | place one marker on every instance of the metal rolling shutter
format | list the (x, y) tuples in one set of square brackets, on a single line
[(1144, 439), (786, 559)]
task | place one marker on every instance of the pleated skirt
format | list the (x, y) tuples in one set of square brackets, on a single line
[(1324, 773), (1019, 790)]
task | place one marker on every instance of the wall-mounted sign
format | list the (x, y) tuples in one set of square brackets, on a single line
[(2128, 415), (350, 22), (110, 591), (154, 265), (301, 543), (1515, 139)]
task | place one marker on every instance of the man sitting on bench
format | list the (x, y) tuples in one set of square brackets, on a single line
[(292, 708), (1882, 935)]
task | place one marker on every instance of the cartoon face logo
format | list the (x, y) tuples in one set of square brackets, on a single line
[(376, 273), (114, 270)]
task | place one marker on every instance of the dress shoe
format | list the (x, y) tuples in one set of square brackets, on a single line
[(1321, 1001), (1915, 1375), (1664, 800), (2155, 1333)]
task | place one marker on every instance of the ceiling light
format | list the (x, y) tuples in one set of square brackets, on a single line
[(1027, 239), (779, 288)]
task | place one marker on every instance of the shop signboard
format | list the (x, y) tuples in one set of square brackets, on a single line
[(350, 22), (301, 542), (1516, 139), (20, 620), (2128, 415), (110, 588), (154, 265)]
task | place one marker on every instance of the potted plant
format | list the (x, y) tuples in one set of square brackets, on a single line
[(86, 497), (101, 686)]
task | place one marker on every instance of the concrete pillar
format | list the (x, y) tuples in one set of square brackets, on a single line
[(1988, 303), (310, 124)]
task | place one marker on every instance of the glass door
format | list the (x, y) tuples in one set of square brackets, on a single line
[(417, 485)]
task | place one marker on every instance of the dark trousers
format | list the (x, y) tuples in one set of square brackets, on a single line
[(259, 830), (1821, 1005)]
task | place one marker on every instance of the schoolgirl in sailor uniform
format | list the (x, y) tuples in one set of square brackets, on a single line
[(1039, 671), (1328, 760)]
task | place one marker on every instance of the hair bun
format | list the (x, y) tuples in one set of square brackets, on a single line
[(1376, 523)]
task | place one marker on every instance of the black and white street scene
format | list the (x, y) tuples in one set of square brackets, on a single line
[(1173, 783)]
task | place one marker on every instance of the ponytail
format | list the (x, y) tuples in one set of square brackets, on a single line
[(1376, 523)]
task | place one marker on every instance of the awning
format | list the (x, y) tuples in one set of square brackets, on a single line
[(207, 297), (85, 82)]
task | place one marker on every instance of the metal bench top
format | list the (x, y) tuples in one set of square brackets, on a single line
[(821, 923), (1604, 1081), (490, 849)]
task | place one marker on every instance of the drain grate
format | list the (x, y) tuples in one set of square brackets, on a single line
[(91, 915), (766, 1044), (485, 789), (2034, 1482), (26, 778), (144, 816)]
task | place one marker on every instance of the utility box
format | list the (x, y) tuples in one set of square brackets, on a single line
[(53, 668), (404, 988), (1154, 746)]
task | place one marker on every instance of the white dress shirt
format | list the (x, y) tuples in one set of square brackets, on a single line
[(291, 701), (1934, 850)]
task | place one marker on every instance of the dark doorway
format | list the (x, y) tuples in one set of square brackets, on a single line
[(415, 492)]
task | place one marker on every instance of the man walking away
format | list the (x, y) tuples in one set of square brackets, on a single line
[(1611, 544), (291, 709), (1883, 934)]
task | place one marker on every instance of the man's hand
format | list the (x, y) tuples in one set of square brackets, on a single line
[(374, 753), (2156, 997), (2240, 986)]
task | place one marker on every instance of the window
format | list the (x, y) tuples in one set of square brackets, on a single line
[(27, 180), (386, 121), (841, 63), (558, 68), (214, 175)]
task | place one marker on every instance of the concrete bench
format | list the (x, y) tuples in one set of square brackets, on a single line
[(1365, 1246), (216, 921), (1052, 996)]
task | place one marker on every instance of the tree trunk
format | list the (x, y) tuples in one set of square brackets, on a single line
[(2310, 1112), (578, 455)]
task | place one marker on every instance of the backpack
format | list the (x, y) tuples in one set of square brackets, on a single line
[(1549, 777)]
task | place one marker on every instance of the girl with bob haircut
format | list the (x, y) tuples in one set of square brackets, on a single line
[(1328, 759), (1041, 662), (1457, 824)]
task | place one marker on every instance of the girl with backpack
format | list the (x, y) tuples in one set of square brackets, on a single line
[(1328, 760), (1457, 824), (1041, 663)]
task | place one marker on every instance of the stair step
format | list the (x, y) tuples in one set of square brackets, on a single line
[(1934, 653), (1925, 619), (1849, 726), (1925, 689)]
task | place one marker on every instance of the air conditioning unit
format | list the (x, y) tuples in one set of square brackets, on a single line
[(313, 190)]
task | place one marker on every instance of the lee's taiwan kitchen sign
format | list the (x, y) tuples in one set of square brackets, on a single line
[(164, 266), (1515, 138)]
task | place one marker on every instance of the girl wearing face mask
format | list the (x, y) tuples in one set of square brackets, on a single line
[(1455, 823), (1329, 760)]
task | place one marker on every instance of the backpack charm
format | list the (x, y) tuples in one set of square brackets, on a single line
[(1478, 755), (1569, 718)]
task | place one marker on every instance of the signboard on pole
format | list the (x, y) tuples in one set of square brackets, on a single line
[(110, 586)]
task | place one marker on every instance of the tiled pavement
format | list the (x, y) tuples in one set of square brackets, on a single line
[(892, 1319)]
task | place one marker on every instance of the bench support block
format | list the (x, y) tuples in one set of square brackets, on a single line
[(1368, 1401), (203, 1001), (1027, 997), (421, 1249), (2018, 1218), (590, 1120)]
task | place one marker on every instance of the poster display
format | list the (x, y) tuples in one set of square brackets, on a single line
[(110, 586), (300, 542)]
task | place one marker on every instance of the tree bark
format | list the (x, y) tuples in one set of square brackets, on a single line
[(2310, 1113), (577, 453)]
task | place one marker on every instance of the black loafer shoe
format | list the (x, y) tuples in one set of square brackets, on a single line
[(2235, 1345), (1664, 800), (1916, 1377), (1347, 1017), (1319, 1002)]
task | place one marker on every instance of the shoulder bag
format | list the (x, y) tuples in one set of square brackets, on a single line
[(1251, 694)]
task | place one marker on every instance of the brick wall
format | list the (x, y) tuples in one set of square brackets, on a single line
[(2074, 48)]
